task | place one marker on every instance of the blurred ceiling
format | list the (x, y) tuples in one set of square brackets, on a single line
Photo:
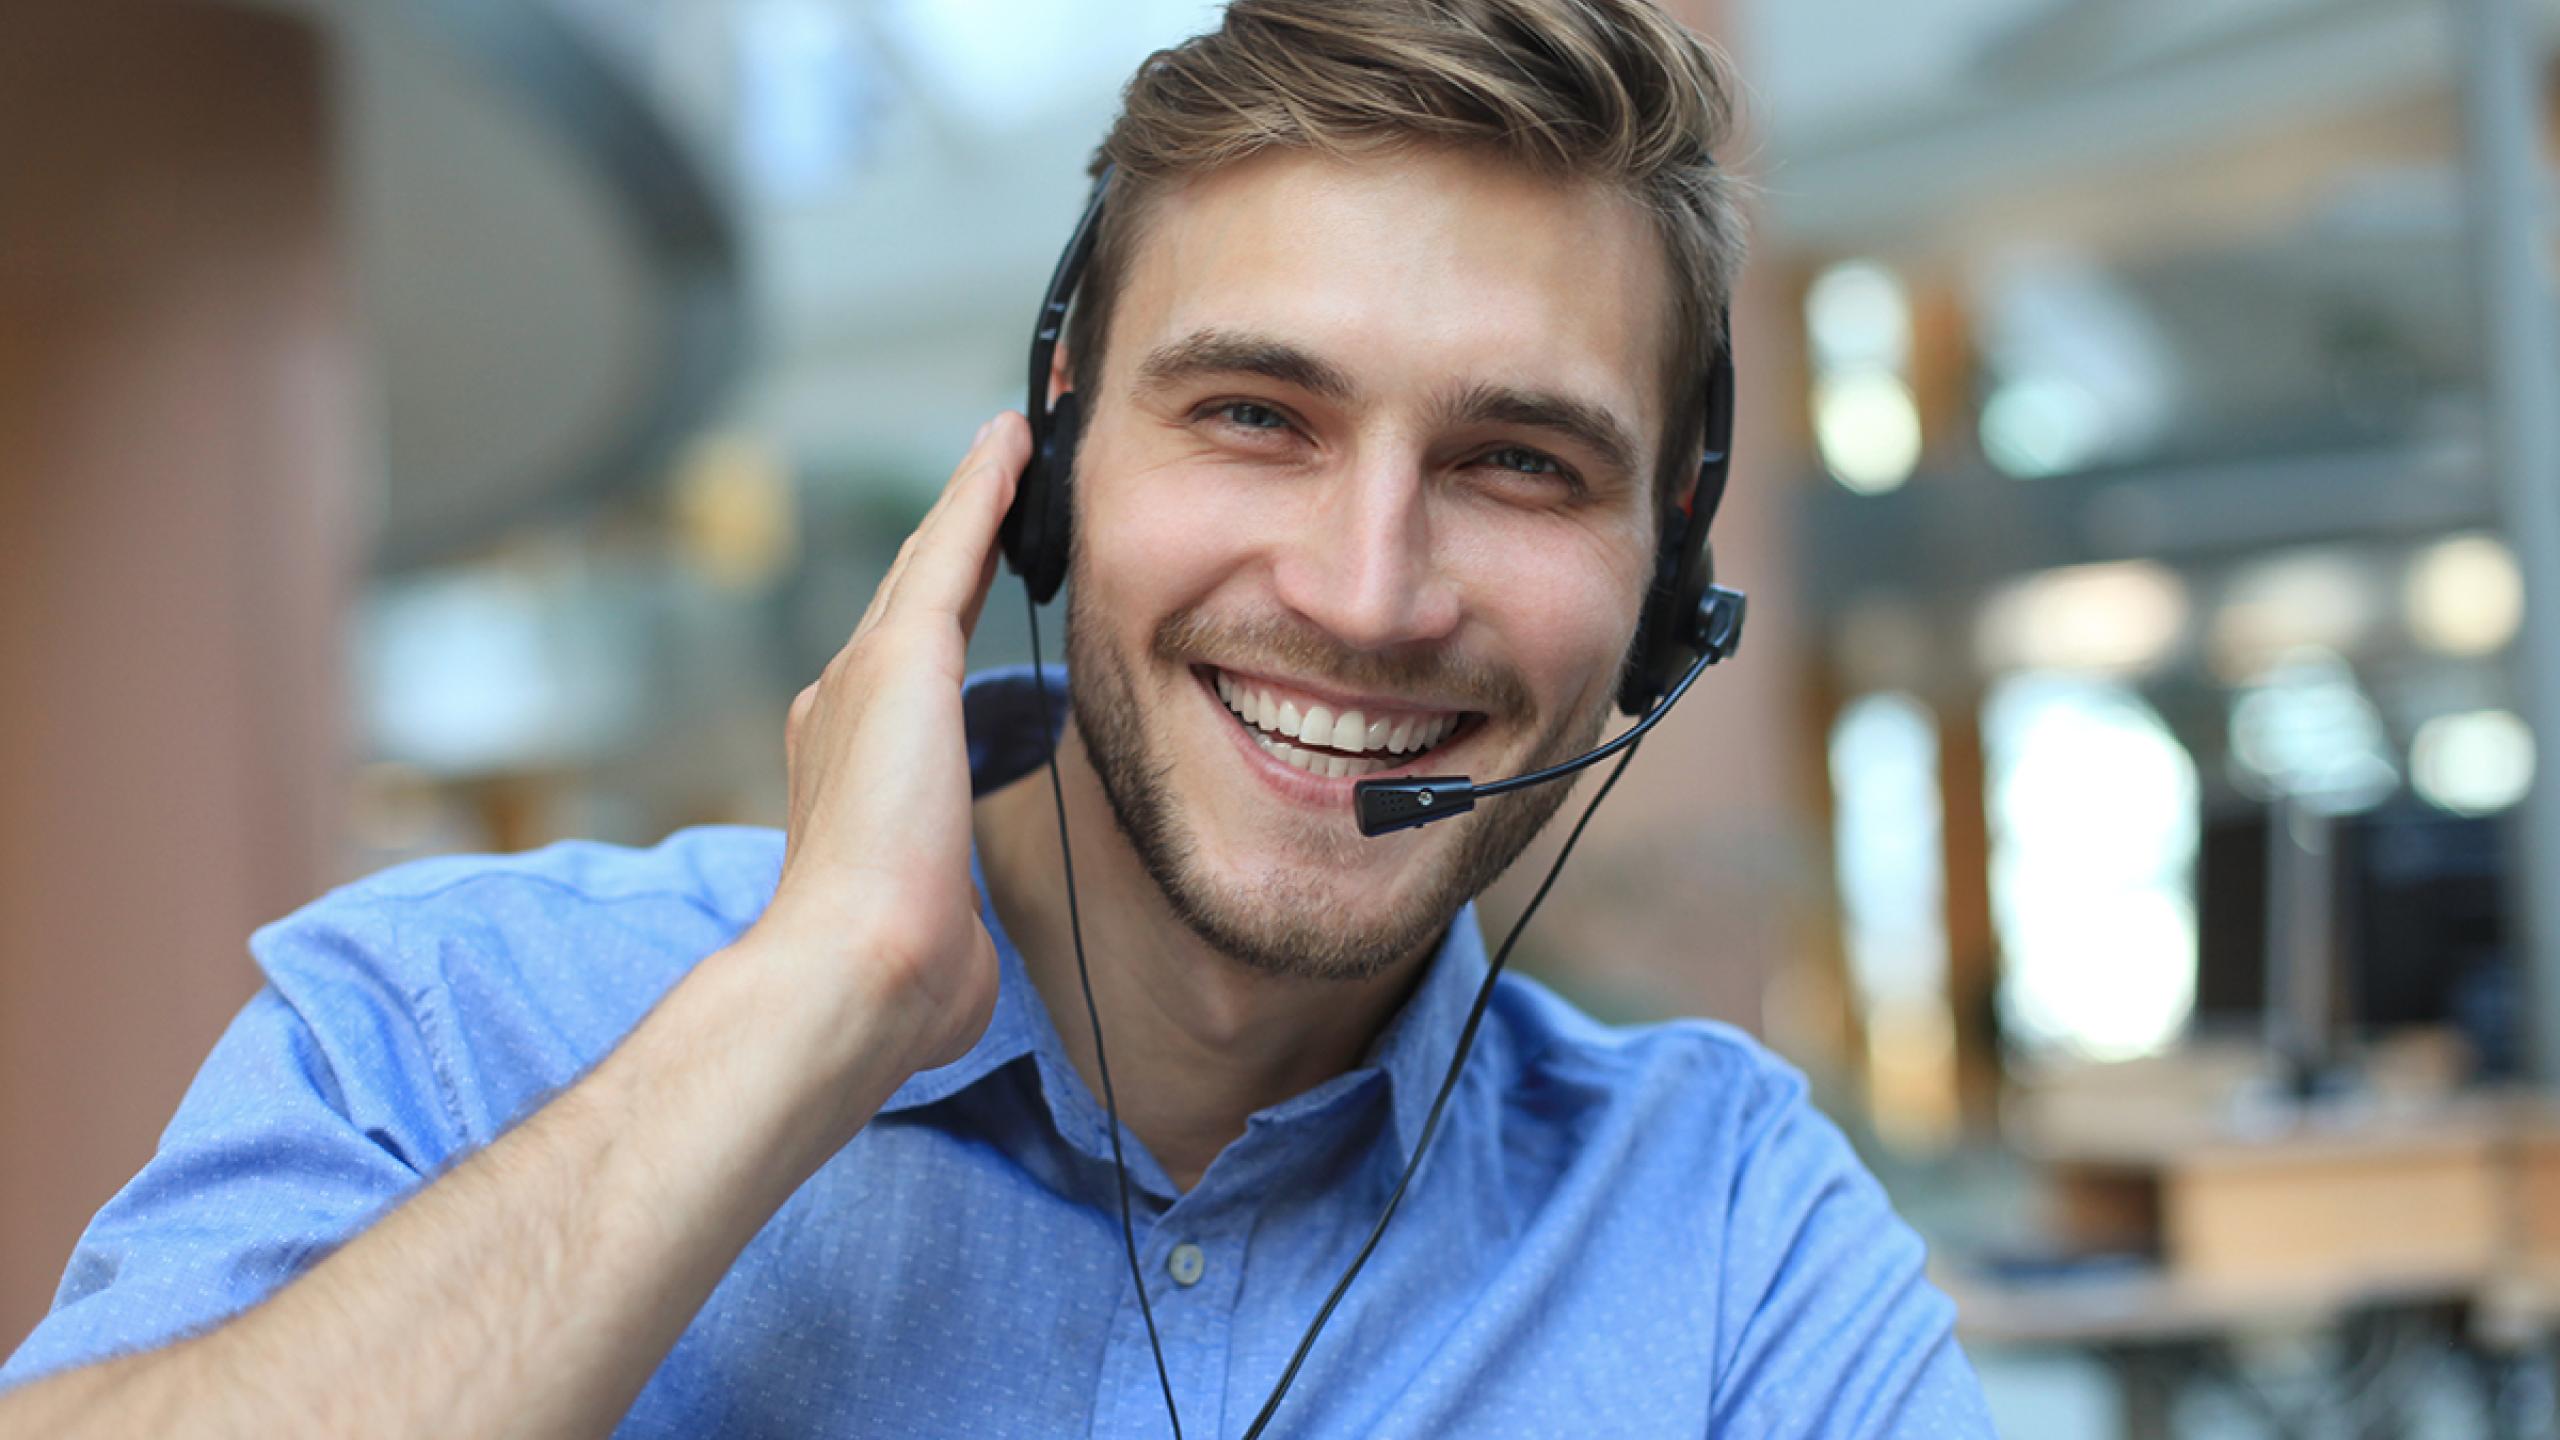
[(550, 280), (1942, 103), (573, 212)]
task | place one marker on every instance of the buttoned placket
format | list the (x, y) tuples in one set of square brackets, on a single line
[(1199, 1318), (1217, 1219)]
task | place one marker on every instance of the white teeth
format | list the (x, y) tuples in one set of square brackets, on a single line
[(1338, 767), (1351, 731)]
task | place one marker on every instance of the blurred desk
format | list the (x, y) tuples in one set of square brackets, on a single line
[(2405, 1231)]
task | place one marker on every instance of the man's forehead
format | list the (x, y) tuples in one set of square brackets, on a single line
[(1408, 273)]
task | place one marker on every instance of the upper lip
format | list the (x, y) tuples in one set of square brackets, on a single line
[(1341, 700)]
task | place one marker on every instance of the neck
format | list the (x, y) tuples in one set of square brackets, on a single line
[(1198, 1041)]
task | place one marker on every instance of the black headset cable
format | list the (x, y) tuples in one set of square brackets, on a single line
[(1093, 1013), (1430, 1123), (1439, 1102)]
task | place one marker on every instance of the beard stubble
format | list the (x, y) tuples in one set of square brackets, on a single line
[(1284, 925)]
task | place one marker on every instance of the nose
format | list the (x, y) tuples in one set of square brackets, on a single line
[(1362, 563)]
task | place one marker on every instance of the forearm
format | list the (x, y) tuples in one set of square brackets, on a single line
[(533, 1289)]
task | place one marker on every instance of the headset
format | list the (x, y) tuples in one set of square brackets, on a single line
[(1689, 623)]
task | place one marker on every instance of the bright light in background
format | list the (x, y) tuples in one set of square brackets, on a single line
[(2305, 599), (2308, 730), (2465, 596), (2082, 370), (1884, 773), (2122, 616), (2093, 837), (1884, 777), (1858, 318), (470, 672), (1864, 420), (2474, 763), (1868, 429), (2033, 428), (734, 511)]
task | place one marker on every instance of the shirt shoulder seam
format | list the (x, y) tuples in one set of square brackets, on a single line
[(1696, 1036)]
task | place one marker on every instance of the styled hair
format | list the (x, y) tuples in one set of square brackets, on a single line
[(1613, 92)]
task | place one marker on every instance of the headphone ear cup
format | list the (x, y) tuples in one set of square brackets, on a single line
[(1638, 687), (1665, 632), (1034, 532)]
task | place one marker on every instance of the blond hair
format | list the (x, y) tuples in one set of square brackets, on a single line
[(1608, 91)]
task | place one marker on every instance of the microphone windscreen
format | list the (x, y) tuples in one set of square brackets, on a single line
[(1384, 805)]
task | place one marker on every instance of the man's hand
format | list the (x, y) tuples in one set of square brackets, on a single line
[(875, 876)]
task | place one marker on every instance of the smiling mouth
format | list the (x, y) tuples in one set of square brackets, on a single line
[(1338, 744)]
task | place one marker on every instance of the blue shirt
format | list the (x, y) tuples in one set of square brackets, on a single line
[(1619, 1232)]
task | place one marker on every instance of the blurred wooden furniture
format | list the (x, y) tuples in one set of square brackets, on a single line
[(2446, 1195), (2386, 1218)]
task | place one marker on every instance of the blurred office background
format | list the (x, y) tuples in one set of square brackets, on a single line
[(430, 425)]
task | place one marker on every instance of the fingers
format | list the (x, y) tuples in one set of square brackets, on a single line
[(978, 596), (958, 536), (944, 568)]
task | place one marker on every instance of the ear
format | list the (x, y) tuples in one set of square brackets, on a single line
[(1062, 373)]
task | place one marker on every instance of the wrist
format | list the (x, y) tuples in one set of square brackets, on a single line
[(805, 1036)]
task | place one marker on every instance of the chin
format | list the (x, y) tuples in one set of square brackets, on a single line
[(1228, 755)]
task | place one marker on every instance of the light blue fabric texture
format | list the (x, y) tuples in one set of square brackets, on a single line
[(1618, 1232)]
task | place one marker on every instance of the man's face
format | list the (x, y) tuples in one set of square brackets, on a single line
[(1366, 491)]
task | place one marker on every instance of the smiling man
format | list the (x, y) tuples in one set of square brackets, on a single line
[(1388, 358)]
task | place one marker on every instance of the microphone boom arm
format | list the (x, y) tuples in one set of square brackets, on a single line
[(1384, 806)]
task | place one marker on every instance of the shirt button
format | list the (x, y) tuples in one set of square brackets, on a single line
[(1185, 1263)]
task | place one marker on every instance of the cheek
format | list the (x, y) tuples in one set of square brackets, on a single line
[(1157, 539), (1580, 642), (1565, 606)]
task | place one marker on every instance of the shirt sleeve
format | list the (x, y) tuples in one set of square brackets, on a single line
[(313, 1114), (1836, 1330)]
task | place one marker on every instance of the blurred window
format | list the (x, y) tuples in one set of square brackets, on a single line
[(2093, 841), (1884, 771), (1884, 775)]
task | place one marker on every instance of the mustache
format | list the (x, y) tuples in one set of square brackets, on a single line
[(1287, 643)]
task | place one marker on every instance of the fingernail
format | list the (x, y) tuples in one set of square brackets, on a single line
[(984, 431)]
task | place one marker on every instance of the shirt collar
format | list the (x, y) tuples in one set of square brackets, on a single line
[(1002, 712)]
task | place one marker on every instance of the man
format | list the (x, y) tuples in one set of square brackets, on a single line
[(1388, 355)]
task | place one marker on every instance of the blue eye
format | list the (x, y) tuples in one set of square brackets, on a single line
[(1527, 462), (1250, 416)]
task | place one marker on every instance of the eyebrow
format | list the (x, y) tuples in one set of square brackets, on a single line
[(1227, 352), (1231, 352), (1595, 427)]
